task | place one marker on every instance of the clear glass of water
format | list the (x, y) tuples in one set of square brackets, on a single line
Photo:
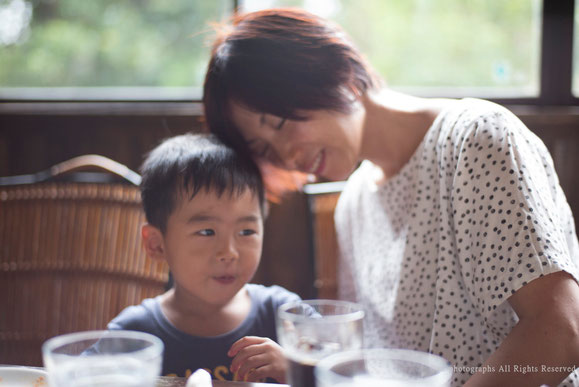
[(313, 329), (103, 358), (383, 367)]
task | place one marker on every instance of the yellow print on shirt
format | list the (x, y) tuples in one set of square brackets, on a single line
[(220, 372)]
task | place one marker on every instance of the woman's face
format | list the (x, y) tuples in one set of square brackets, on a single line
[(327, 144)]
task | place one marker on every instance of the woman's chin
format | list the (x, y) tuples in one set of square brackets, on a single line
[(343, 174), (334, 177)]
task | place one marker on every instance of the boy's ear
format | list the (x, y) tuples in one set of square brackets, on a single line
[(153, 241)]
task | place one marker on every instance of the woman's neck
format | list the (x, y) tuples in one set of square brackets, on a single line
[(394, 126)]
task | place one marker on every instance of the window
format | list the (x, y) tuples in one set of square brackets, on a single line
[(105, 49), (488, 47), (158, 49)]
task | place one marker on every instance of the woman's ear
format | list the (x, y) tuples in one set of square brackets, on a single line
[(153, 241)]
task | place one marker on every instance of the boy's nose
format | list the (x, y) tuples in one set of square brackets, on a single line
[(227, 258), (228, 252)]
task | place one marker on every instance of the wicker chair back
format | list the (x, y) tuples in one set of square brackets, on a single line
[(70, 260)]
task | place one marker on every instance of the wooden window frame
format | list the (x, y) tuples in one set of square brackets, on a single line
[(556, 74)]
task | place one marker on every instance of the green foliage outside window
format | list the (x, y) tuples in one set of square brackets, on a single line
[(441, 43), (78, 43), (164, 43)]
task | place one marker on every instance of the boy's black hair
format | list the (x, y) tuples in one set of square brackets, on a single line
[(186, 164)]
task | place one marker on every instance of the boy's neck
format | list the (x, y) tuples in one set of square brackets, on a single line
[(205, 320)]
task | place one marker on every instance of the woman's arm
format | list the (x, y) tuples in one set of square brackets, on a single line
[(547, 335)]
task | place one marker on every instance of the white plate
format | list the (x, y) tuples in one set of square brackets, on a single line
[(22, 376)]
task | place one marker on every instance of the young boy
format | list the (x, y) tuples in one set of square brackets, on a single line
[(205, 207)]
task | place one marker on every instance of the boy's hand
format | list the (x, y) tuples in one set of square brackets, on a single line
[(258, 358)]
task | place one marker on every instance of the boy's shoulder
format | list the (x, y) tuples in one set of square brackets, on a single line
[(265, 302), (137, 317)]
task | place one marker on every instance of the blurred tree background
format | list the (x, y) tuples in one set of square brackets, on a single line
[(106, 42), (164, 43)]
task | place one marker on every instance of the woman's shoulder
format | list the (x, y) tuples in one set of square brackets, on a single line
[(479, 107), (469, 111), (473, 118)]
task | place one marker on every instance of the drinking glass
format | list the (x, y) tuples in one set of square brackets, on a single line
[(310, 330), (103, 358), (383, 367)]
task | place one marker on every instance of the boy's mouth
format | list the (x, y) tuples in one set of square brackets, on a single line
[(225, 279)]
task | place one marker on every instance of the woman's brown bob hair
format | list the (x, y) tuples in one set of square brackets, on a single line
[(281, 62)]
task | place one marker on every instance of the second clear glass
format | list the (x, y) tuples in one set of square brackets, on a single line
[(383, 367), (311, 330)]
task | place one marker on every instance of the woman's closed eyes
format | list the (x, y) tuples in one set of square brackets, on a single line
[(280, 124)]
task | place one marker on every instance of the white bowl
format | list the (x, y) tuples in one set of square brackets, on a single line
[(14, 376)]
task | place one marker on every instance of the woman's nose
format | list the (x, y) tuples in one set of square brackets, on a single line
[(288, 155)]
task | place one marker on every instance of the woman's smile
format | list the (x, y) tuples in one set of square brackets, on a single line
[(326, 144), (316, 166)]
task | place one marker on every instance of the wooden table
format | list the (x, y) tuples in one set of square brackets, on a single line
[(166, 381)]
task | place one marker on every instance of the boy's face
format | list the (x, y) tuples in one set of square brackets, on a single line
[(213, 244)]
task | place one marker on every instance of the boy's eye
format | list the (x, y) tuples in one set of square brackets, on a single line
[(248, 232), (206, 232)]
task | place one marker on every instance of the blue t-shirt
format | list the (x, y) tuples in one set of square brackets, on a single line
[(185, 353)]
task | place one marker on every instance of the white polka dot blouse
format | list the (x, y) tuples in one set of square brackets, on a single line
[(434, 252)]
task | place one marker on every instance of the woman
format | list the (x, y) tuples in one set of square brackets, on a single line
[(454, 232)]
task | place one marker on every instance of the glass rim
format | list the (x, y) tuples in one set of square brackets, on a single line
[(151, 351), (356, 311), (442, 367)]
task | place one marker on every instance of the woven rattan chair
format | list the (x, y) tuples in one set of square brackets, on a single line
[(70, 256)]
